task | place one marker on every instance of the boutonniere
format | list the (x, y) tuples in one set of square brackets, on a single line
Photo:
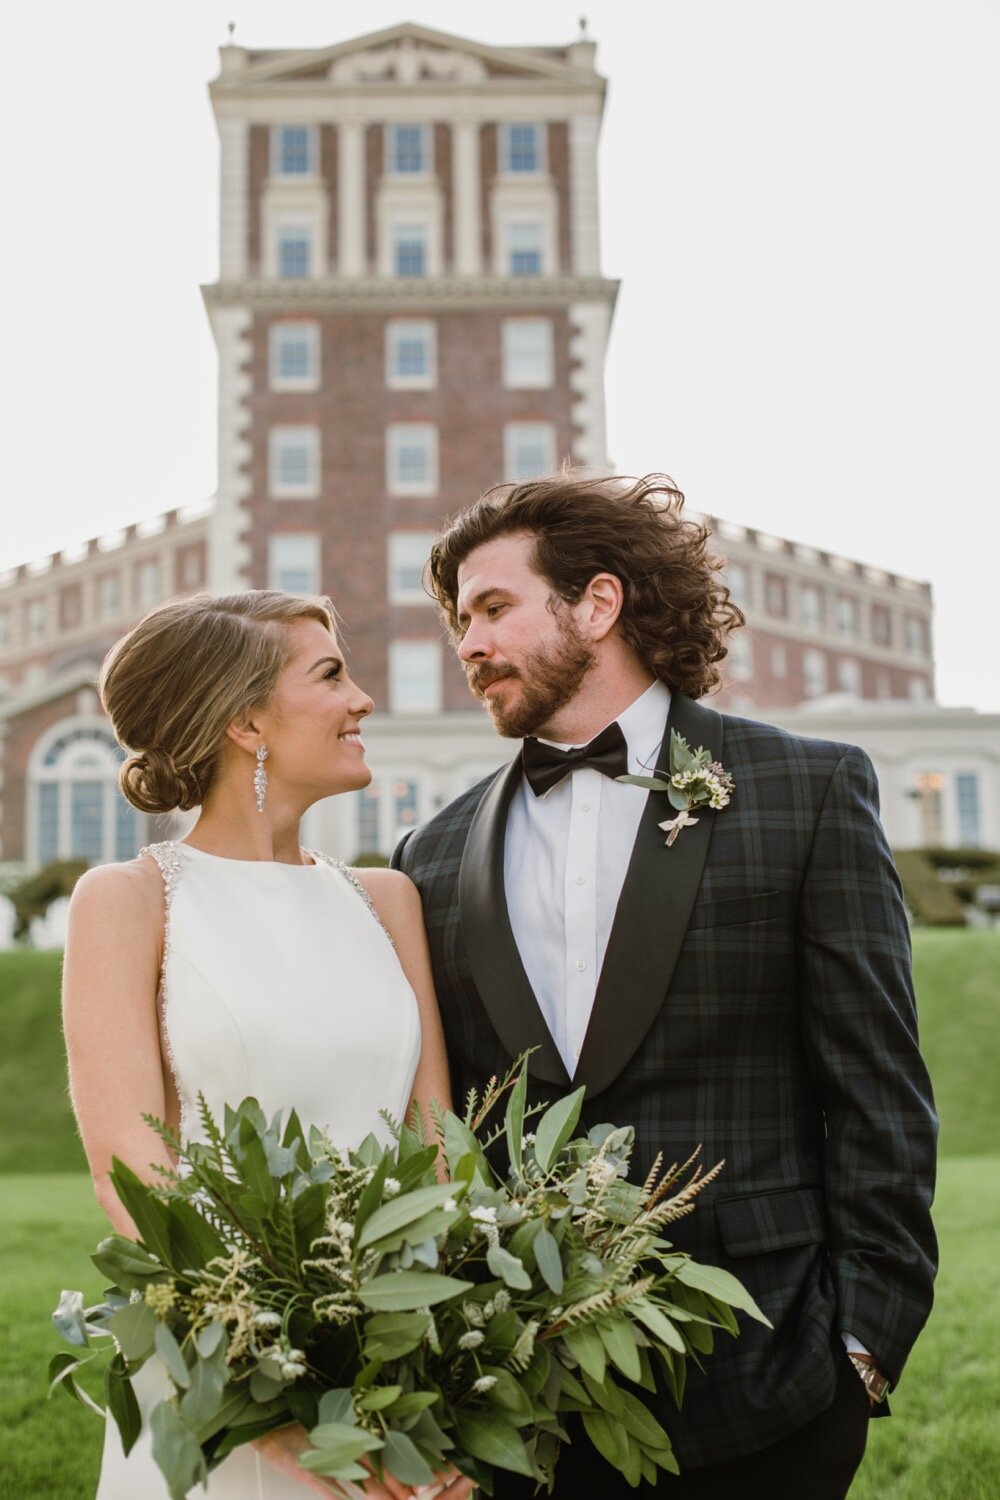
[(696, 780)]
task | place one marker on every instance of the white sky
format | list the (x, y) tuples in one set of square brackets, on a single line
[(800, 199)]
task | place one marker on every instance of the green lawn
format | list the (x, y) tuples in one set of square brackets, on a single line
[(941, 1444)]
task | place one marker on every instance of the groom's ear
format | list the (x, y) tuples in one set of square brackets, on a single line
[(600, 605)]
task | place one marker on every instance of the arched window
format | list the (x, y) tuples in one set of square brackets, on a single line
[(75, 810)]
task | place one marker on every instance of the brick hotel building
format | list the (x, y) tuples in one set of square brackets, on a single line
[(410, 308)]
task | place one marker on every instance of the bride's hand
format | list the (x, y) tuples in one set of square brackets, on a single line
[(283, 1447)]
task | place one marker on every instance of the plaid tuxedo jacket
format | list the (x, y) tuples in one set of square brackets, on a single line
[(755, 999)]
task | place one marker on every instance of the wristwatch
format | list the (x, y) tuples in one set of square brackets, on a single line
[(874, 1382)]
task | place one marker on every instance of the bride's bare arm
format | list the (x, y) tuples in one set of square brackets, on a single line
[(282, 1448), (397, 902), (110, 982)]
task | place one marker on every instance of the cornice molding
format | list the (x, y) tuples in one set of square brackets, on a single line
[(423, 292)]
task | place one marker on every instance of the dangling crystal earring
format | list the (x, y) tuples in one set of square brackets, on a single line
[(260, 777)]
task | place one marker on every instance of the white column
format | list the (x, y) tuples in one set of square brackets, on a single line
[(228, 556), (584, 209), (590, 322), (466, 190), (234, 144), (351, 198)]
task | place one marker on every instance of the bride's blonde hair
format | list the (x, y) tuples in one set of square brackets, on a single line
[(173, 684)]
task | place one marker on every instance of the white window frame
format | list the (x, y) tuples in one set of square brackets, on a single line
[(849, 676), (815, 673), (307, 230), (400, 226), (396, 331), (312, 151), (402, 655), (36, 619), (408, 550), (542, 378), (740, 658), (147, 595), (398, 435), (512, 435), (309, 333), (310, 544), (109, 610), (426, 168), (511, 225), (847, 617), (814, 592), (89, 755), (6, 629), (282, 489), (520, 174)]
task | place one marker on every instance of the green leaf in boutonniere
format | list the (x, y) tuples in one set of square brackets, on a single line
[(695, 780)]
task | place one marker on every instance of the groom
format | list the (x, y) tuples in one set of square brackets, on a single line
[(745, 988)]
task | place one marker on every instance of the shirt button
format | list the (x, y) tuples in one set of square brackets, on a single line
[(580, 965), (581, 879), (585, 807)]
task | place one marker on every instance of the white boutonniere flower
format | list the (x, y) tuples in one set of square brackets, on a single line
[(695, 780)]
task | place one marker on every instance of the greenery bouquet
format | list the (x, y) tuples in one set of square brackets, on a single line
[(404, 1322)]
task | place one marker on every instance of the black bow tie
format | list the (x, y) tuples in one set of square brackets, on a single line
[(545, 766)]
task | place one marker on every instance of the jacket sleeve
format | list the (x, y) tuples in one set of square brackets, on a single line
[(860, 1034)]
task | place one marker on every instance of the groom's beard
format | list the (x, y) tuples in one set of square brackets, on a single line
[(549, 677)]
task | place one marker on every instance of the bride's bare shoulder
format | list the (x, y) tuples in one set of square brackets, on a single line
[(132, 889)]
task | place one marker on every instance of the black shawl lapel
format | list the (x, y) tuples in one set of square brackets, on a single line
[(652, 916), (489, 940)]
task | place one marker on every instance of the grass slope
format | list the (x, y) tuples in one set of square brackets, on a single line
[(941, 1443)]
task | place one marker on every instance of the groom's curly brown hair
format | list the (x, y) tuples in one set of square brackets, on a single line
[(677, 611)]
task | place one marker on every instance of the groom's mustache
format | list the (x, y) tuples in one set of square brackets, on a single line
[(480, 678)]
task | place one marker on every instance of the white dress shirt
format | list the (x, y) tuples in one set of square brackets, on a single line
[(566, 855)]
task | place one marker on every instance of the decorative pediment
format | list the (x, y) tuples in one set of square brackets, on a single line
[(407, 61), (406, 54)]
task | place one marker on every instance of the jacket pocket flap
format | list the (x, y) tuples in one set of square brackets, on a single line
[(777, 1220), (724, 910)]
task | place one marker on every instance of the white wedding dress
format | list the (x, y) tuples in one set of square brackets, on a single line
[(278, 982)]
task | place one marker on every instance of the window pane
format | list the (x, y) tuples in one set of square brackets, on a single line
[(407, 148), (294, 254), (294, 462), (294, 562), (409, 249), (410, 353), (738, 580), (967, 790), (368, 819), (294, 353), (86, 816), (48, 821), (527, 352), (529, 450), (412, 458), (408, 554), (415, 676), (294, 153), (810, 606), (524, 249), (523, 148), (127, 833), (814, 672)]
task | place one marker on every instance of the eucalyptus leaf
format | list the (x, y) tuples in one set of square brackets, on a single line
[(607, 1437), (122, 1403), (149, 1215), (62, 1368), (176, 1451), (493, 1440), (514, 1120), (658, 1323), (510, 1270), (337, 1406), (403, 1460), (617, 1338), (549, 1260), (69, 1319), (556, 1126), (406, 1291), (721, 1284), (169, 1351), (134, 1326), (584, 1343), (404, 1210)]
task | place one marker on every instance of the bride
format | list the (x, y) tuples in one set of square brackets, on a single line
[(235, 962)]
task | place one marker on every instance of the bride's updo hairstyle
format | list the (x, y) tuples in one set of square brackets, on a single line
[(179, 678)]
